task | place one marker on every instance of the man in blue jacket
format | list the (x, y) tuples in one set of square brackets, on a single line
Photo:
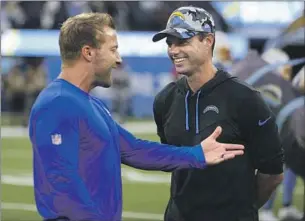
[(78, 148)]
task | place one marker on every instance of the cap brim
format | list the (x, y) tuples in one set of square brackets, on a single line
[(165, 33)]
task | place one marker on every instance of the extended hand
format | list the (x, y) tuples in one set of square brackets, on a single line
[(216, 152)]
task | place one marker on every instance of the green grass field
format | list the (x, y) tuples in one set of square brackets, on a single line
[(143, 200)]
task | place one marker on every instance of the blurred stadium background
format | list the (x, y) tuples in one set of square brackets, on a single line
[(30, 59)]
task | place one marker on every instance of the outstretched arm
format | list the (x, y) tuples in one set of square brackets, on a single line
[(149, 155)]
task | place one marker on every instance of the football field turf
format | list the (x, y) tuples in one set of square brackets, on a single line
[(145, 194)]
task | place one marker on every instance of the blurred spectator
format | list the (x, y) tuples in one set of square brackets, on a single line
[(21, 86), (275, 55), (288, 210), (145, 15), (53, 14), (298, 81), (121, 93), (248, 65), (36, 80), (77, 7), (15, 87), (120, 13), (222, 51), (36, 15), (295, 153), (4, 97), (5, 24)]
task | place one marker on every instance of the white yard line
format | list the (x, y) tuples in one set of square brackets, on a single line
[(147, 127), (129, 175), (17, 180), (140, 177), (126, 214), (18, 206)]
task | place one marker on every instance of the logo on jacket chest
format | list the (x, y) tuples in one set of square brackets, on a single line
[(212, 108)]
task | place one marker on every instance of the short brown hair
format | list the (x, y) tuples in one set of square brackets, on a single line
[(80, 30)]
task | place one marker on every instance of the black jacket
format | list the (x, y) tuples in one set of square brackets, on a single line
[(225, 192)]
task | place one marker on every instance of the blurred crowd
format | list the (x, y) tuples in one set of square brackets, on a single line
[(133, 15), (21, 85)]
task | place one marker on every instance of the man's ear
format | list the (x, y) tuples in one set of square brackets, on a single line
[(209, 40), (88, 53)]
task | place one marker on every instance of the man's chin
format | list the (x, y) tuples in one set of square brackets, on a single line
[(181, 69), (183, 72)]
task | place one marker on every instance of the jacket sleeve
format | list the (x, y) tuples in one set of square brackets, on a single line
[(260, 132), (147, 155)]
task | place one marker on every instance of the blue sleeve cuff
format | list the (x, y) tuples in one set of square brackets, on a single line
[(199, 155)]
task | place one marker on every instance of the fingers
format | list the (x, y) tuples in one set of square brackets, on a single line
[(233, 146), (234, 152), (228, 156), (231, 154), (224, 157), (216, 133)]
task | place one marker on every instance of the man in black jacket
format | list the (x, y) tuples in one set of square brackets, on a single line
[(188, 110)]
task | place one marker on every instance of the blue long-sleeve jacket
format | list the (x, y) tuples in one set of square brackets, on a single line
[(78, 150)]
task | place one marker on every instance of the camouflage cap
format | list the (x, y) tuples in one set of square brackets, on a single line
[(186, 22)]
